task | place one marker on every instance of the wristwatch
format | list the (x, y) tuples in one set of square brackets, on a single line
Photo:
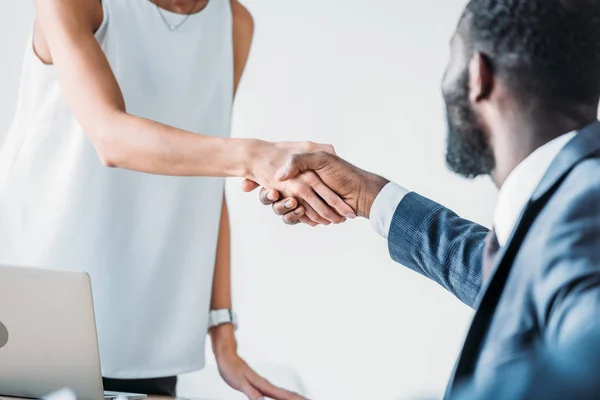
[(220, 317)]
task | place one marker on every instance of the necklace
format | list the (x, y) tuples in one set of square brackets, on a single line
[(170, 25)]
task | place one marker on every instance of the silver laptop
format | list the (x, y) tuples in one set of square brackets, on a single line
[(48, 335)]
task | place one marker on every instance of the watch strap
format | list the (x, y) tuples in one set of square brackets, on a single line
[(221, 317)]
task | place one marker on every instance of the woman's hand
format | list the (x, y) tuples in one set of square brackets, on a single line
[(241, 377), (238, 374), (321, 204)]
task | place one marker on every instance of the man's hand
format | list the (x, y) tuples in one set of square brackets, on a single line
[(356, 187), (238, 374), (321, 205)]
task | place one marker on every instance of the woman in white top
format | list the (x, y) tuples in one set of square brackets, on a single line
[(145, 87)]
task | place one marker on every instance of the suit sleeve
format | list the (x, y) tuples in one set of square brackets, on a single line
[(435, 242)]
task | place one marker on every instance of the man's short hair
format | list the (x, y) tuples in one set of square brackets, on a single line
[(548, 49)]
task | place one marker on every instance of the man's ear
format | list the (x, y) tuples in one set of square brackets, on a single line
[(481, 78)]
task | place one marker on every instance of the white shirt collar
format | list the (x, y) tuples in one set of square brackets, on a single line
[(521, 183)]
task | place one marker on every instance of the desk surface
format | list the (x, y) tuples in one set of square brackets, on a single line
[(148, 398)]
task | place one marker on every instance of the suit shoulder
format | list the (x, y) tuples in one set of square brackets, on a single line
[(582, 183), (589, 166), (570, 218), (565, 237)]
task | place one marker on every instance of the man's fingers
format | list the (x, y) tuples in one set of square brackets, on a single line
[(323, 210), (302, 162), (305, 220), (268, 197), (248, 185), (284, 206), (271, 391), (333, 200), (312, 214)]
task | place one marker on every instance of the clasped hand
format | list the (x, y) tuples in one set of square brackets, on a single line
[(320, 204), (333, 181)]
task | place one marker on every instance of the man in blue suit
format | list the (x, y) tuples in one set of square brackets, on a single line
[(522, 90)]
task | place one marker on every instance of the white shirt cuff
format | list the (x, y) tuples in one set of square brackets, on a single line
[(384, 207)]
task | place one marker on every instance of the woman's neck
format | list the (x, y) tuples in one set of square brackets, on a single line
[(182, 6)]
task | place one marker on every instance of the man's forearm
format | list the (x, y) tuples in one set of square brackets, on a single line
[(432, 240)]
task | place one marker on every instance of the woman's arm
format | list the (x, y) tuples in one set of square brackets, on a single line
[(223, 340), (126, 141), (123, 140), (232, 367), (234, 370), (243, 32)]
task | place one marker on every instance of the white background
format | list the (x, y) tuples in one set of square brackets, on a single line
[(364, 76)]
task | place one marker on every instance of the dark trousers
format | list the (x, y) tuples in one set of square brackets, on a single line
[(152, 387)]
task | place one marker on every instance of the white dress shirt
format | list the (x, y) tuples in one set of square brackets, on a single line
[(512, 197)]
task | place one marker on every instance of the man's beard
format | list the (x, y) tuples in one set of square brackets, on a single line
[(468, 152)]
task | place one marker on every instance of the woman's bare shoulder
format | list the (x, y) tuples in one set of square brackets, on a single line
[(242, 19), (91, 8)]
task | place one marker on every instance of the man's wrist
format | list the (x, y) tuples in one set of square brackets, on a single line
[(371, 185), (384, 207)]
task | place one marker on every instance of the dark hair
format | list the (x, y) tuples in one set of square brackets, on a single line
[(549, 49)]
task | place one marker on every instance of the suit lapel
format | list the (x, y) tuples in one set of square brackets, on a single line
[(491, 293), (585, 144)]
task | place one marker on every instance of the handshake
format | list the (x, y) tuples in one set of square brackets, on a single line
[(317, 187)]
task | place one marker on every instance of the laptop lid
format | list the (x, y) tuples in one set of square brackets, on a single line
[(48, 335)]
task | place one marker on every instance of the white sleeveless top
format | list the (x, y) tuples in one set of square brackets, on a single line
[(147, 241)]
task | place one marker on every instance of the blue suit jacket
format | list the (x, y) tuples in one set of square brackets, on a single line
[(544, 293)]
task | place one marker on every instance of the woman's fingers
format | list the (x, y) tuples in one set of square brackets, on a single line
[(293, 213), (251, 392), (285, 206), (268, 196), (297, 216), (248, 185), (266, 388)]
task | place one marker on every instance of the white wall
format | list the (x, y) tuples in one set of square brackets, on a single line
[(365, 76)]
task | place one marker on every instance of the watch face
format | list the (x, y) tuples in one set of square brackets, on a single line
[(3, 335)]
